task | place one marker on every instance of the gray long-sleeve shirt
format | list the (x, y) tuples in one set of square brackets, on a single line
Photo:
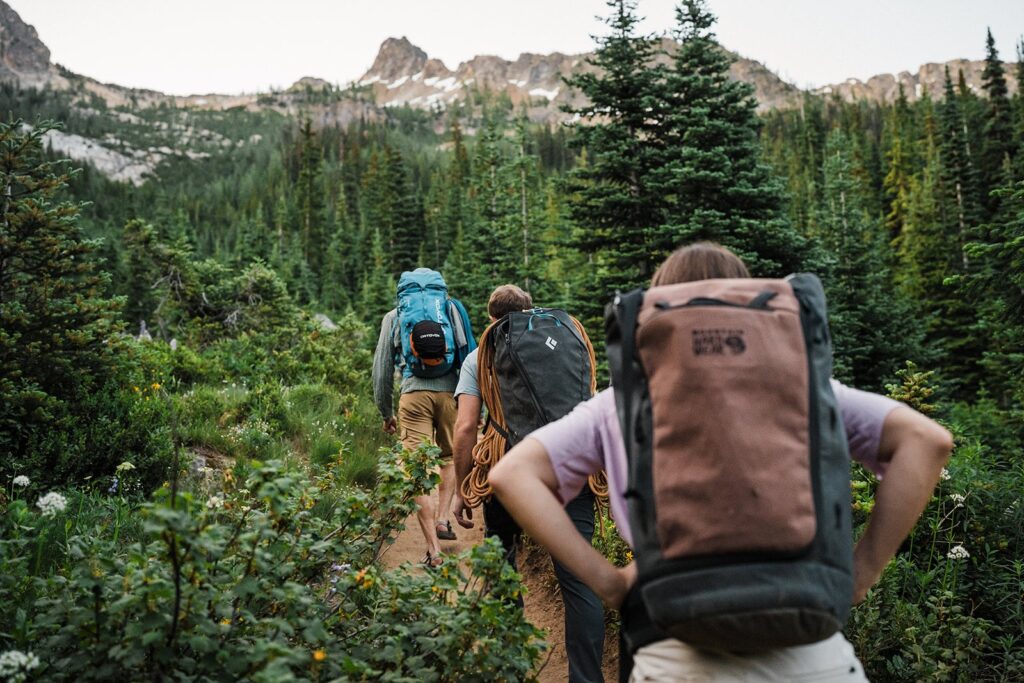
[(384, 370)]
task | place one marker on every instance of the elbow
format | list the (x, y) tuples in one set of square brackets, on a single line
[(938, 440), (499, 477), (943, 443)]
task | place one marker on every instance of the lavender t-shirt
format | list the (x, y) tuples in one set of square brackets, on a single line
[(589, 439)]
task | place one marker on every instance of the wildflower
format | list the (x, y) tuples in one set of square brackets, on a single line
[(214, 502), (341, 567), (113, 485), (135, 389), (958, 499), (15, 665), (124, 467), (958, 552), (51, 504), (319, 655), (225, 622), (945, 476), (155, 385), (22, 481)]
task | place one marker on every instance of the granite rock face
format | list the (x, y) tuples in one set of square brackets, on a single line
[(23, 56)]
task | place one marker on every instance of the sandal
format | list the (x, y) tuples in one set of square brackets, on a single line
[(444, 531), (432, 561)]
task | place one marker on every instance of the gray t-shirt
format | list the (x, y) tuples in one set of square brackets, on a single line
[(467, 377)]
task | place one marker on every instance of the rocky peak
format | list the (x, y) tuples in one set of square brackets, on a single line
[(22, 55), (396, 58), (930, 78), (310, 82)]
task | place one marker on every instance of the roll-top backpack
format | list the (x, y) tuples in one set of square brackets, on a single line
[(433, 328), (739, 472), (534, 367)]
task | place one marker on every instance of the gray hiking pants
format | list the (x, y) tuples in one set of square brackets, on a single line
[(584, 614)]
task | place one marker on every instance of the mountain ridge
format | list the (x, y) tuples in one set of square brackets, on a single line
[(404, 74)]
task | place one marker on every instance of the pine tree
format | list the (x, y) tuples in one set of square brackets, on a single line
[(997, 285), (712, 172), (923, 247), (873, 330), (378, 291), (309, 199), (408, 232), (57, 331), (341, 262), (960, 173), (899, 158), (613, 203), (143, 272), (999, 146)]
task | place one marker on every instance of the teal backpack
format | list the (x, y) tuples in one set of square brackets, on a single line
[(423, 296)]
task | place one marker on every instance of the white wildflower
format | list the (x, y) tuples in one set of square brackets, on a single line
[(22, 481), (945, 476), (124, 467), (215, 502), (14, 665), (51, 504), (958, 499), (958, 552)]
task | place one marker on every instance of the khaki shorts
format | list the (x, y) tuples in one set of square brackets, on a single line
[(830, 661), (427, 416)]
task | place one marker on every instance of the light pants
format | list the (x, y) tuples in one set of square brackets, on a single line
[(830, 661)]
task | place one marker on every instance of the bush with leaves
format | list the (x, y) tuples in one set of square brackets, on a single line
[(948, 606), (270, 579)]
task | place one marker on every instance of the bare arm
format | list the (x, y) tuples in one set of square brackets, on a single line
[(465, 435), (383, 374), (525, 483), (918, 449), (464, 439)]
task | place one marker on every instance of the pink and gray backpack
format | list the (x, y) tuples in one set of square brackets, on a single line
[(739, 472)]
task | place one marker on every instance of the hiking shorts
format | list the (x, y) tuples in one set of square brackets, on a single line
[(427, 416), (830, 661)]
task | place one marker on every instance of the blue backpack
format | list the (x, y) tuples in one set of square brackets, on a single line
[(423, 296)]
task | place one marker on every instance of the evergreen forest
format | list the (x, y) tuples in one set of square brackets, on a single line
[(194, 485)]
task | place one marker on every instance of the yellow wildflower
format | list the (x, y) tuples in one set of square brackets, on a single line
[(155, 385), (135, 389), (225, 622), (319, 655)]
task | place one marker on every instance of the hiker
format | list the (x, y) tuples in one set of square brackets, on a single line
[(584, 615), (905, 449), (426, 337)]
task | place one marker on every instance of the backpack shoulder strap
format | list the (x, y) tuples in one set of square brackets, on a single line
[(462, 329), (620, 330)]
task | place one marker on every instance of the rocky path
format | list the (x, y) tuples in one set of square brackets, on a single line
[(543, 603)]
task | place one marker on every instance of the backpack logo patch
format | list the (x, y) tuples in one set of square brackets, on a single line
[(551, 343), (718, 342)]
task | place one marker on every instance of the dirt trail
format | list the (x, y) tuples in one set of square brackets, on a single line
[(543, 602)]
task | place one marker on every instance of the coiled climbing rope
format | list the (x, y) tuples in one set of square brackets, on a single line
[(491, 446)]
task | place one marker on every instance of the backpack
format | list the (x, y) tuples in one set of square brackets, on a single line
[(423, 299), (739, 471), (534, 367)]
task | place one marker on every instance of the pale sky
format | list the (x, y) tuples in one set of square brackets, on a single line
[(231, 46)]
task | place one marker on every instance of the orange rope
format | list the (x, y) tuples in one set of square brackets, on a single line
[(491, 446)]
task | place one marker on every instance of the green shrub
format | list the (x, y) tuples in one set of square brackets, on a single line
[(270, 580)]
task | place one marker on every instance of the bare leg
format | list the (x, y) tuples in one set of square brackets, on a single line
[(445, 493), (427, 516)]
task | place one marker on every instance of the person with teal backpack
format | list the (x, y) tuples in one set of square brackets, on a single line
[(425, 337)]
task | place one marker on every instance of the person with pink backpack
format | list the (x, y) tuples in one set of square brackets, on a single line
[(726, 446)]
